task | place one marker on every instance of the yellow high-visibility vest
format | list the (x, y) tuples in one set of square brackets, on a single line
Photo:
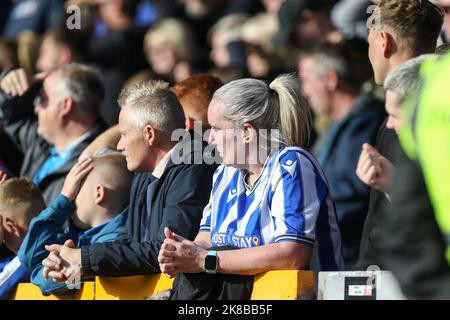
[(425, 136)]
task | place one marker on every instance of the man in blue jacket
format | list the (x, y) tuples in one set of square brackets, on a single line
[(170, 187), (333, 87), (95, 195)]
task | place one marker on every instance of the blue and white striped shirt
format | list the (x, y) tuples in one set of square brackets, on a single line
[(289, 202), (12, 272)]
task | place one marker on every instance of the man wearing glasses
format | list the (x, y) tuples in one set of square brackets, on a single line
[(65, 120)]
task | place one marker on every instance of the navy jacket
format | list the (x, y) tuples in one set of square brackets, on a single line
[(339, 157), (178, 201)]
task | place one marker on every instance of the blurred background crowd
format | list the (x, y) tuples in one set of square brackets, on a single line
[(324, 41), (132, 40)]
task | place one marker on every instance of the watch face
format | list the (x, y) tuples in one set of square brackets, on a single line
[(210, 262)]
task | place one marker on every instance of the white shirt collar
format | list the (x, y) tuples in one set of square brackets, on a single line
[(161, 166)]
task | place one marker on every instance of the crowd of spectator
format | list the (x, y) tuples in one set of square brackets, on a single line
[(214, 140)]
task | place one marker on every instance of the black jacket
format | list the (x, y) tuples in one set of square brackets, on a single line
[(11, 156), (387, 144), (20, 125), (412, 245), (180, 196)]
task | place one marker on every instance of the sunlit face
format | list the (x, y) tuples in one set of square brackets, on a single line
[(372, 50), (272, 6), (257, 65), (8, 237), (313, 86), (133, 144), (49, 55), (48, 107), (377, 60), (108, 11), (227, 139), (445, 4), (162, 56), (309, 28), (393, 109), (11, 239), (219, 52), (85, 205)]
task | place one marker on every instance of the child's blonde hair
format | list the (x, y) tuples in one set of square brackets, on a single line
[(20, 199)]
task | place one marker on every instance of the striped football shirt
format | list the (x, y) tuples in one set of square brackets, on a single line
[(289, 202)]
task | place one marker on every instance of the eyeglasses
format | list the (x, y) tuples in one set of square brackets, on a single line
[(41, 100)]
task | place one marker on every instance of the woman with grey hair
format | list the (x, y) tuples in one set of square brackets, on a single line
[(275, 211)]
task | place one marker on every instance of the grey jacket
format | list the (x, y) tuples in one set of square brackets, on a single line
[(20, 124)]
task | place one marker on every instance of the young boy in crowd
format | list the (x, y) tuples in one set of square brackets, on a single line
[(20, 201), (96, 196)]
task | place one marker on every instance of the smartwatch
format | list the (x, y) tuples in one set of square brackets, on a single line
[(210, 265)]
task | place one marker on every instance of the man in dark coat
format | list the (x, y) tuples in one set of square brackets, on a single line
[(173, 195)]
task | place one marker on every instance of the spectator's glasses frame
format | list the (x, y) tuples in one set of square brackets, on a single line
[(41, 100)]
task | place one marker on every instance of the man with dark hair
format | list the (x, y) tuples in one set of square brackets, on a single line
[(333, 87), (67, 108), (60, 46), (305, 22)]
